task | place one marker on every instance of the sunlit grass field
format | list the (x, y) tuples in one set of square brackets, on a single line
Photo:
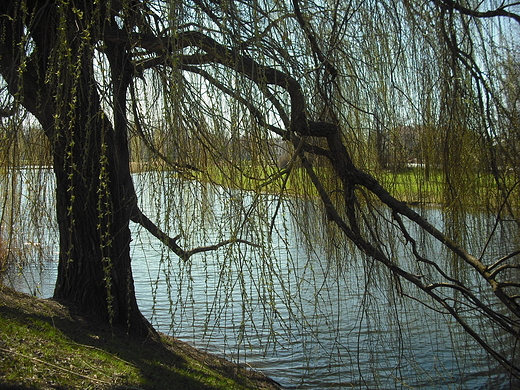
[(411, 185)]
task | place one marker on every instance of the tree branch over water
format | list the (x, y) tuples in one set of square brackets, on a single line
[(341, 161), (378, 107), (171, 242), (498, 12)]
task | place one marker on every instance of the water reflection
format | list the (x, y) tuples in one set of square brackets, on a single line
[(287, 308)]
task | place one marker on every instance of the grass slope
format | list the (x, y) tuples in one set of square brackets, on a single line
[(43, 345)]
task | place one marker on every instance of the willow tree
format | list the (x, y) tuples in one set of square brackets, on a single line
[(208, 87)]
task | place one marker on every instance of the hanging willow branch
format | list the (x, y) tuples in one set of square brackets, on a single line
[(346, 171), (345, 214)]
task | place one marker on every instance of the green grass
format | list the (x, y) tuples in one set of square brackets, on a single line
[(414, 186), (410, 185), (472, 189), (263, 179), (43, 346)]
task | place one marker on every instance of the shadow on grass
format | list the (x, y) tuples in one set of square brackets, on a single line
[(168, 364)]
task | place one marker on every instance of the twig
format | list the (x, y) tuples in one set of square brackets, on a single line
[(216, 246), (501, 260)]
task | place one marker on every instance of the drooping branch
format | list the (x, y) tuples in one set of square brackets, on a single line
[(311, 36), (255, 111), (339, 157), (230, 58), (180, 168), (347, 172), (372, 251)]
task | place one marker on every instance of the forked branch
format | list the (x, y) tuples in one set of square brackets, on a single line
[(171, 242)]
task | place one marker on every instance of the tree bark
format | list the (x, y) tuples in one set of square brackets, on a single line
[(94, 272), (92, 192)]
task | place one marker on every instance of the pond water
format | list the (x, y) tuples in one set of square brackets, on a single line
[(307, 318)]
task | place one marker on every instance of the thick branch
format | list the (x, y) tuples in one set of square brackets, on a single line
[(144, 221), (242, 64), (402, 208)]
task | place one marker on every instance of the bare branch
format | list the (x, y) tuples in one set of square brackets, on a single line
[(144, 221), (501, 260), (219, 245), (171, 242), (501, 11)]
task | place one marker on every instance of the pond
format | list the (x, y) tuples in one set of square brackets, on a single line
[(308, 317)]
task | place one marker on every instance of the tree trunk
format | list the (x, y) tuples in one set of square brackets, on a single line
[(92, 191), (94, 272), (93, 209)]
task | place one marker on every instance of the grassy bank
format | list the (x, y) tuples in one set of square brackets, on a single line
[(45, 346)]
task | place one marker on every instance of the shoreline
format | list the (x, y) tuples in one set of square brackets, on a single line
[(44, 344)]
